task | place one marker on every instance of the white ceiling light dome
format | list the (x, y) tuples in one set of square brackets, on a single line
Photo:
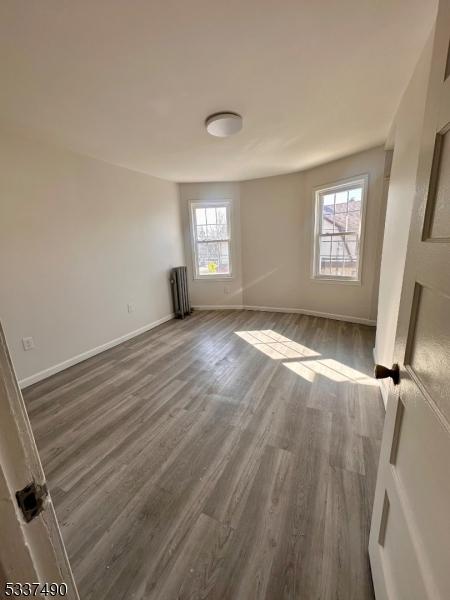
[(223, 124)]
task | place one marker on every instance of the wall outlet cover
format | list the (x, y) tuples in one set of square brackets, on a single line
[(28, 343)]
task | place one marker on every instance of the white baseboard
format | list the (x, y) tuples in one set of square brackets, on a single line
[(219, 307), (314, 313), (27, 381), (23, 383), (300, 311)]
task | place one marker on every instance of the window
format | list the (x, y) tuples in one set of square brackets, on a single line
[(211, 235), (339, 221)]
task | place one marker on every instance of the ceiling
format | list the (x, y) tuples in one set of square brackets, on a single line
[(132, 81)]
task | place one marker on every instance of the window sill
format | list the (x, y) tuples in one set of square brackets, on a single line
[(213, 277), (336, 280)]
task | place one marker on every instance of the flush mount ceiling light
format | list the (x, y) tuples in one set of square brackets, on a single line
[(223, 124)]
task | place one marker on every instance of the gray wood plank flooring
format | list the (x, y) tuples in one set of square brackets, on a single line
[(229, 456)]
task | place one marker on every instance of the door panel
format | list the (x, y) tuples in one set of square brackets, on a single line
[(409, 540), (422, 473), (29, 551), (427, 349), (438, 206), (400, 562)]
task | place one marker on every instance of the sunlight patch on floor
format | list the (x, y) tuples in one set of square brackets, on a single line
[(302, 370), (349, 373), (307, 364), (275, 345), (330, 368)]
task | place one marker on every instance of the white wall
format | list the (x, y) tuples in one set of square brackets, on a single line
[(408, 126), (223, 292), (277, 225), (79, 239), (276, 221)]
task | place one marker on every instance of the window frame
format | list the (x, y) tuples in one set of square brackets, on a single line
[(228, 204), (338, 186)]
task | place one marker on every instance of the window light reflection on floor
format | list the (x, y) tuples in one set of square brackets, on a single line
[(275, 345), (299, 369), (308, 363)]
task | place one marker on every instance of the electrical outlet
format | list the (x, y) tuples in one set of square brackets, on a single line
[(28, 343), (226, 289), (131, 307)]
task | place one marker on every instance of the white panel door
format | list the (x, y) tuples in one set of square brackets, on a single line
[(410, 534), (31, 547)]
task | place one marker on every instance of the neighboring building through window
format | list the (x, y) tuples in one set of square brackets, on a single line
[(211, 238), (339, 224)]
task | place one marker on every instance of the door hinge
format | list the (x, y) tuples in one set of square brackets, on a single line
[(31, 500)]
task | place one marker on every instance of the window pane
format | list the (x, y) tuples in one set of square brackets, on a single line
[(341, 202), (207, 256), (211, 231), (211, 234), (350, 268), (213, 258), (207, 232), (355, 195), (324, 265), (221, 213), (201, 232), (338, 255), (325, 246), (222, 223), (340, 223), (224, 258), (211, 216), (346, 217), (354, 209), (327, 218), (351, 246), (200, 216), (353, 221)]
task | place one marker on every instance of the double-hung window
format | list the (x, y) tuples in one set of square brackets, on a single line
[(339, 224), (211, 239)]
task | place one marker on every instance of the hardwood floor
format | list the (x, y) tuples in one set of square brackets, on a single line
[(231, 455)]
